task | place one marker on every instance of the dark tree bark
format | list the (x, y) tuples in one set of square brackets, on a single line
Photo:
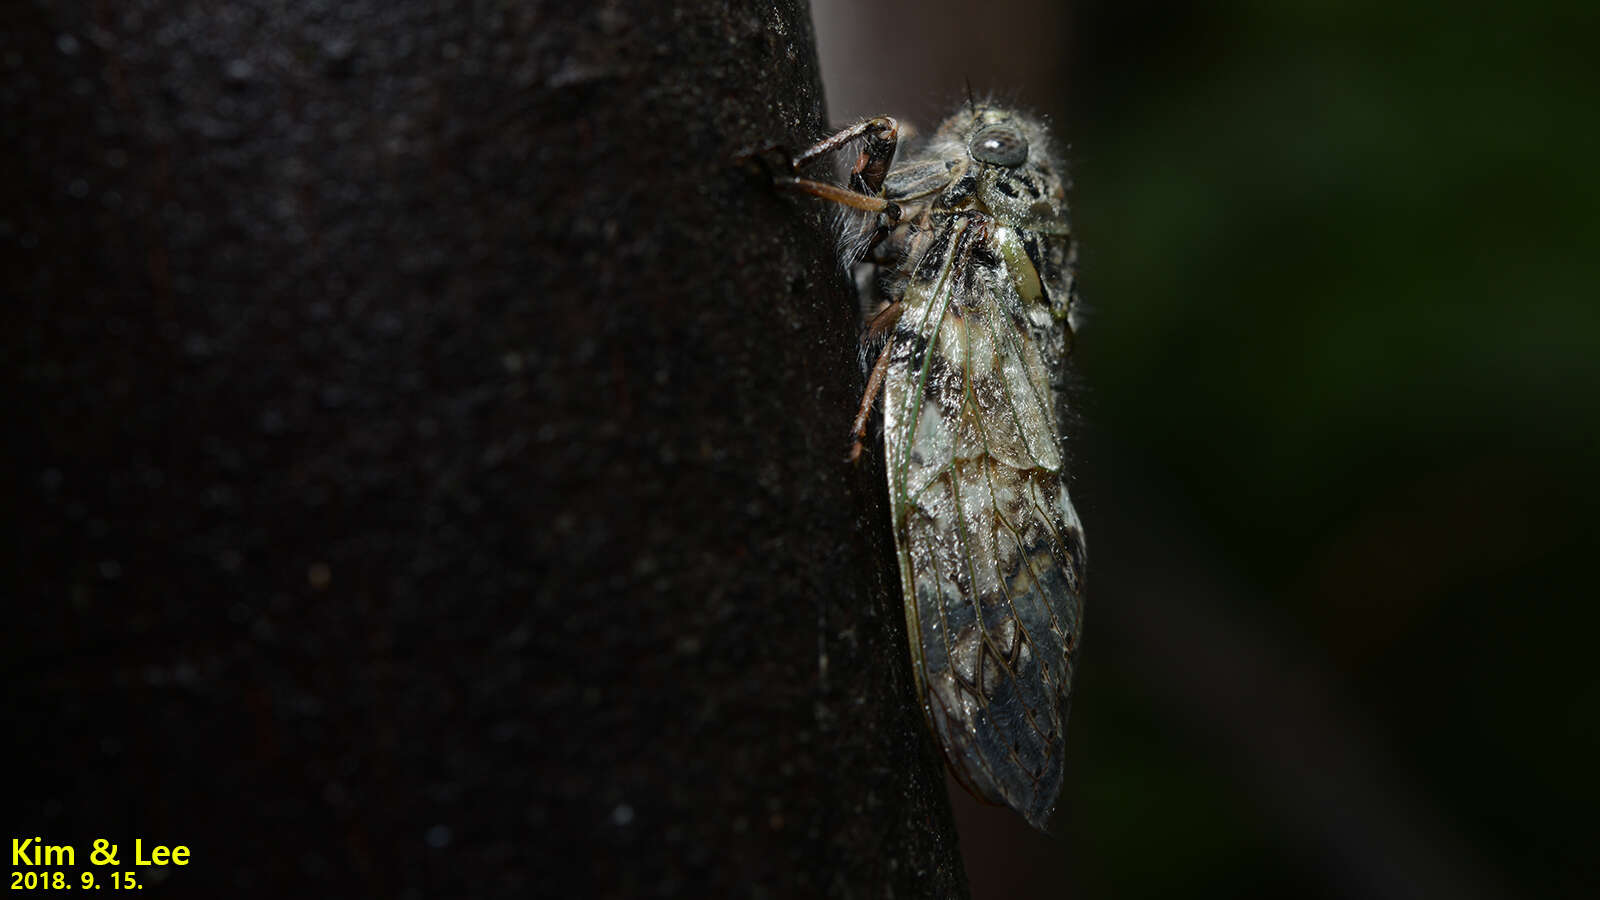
[(427, 459)]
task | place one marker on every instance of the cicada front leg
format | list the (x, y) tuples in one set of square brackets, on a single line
[(879, 137)]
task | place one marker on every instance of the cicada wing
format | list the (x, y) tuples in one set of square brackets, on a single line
[(990, 550)]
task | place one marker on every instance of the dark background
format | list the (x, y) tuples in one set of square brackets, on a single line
[(1338, 470), (425, 472)]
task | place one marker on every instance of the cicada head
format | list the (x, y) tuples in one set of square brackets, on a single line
[(1011, 169)]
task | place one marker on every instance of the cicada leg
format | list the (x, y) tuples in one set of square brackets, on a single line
[(879, 137), (868, 397)]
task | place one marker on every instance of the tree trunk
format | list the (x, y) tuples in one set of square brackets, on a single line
[(428, 450)]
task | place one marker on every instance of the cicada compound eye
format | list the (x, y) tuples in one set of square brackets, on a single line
[(1000, 145)]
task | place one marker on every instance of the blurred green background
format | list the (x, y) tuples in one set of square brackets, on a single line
[(1340, 406)]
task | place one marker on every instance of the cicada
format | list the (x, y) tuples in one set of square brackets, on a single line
[(963, 251)]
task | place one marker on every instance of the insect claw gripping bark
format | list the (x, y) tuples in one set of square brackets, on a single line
[(968, 256)]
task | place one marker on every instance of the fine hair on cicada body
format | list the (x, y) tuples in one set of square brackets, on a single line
[(966, 262)]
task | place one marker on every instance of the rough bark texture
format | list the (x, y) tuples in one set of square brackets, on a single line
[(426, 459)]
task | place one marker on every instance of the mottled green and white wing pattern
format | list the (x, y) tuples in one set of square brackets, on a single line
[(991, 552)]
